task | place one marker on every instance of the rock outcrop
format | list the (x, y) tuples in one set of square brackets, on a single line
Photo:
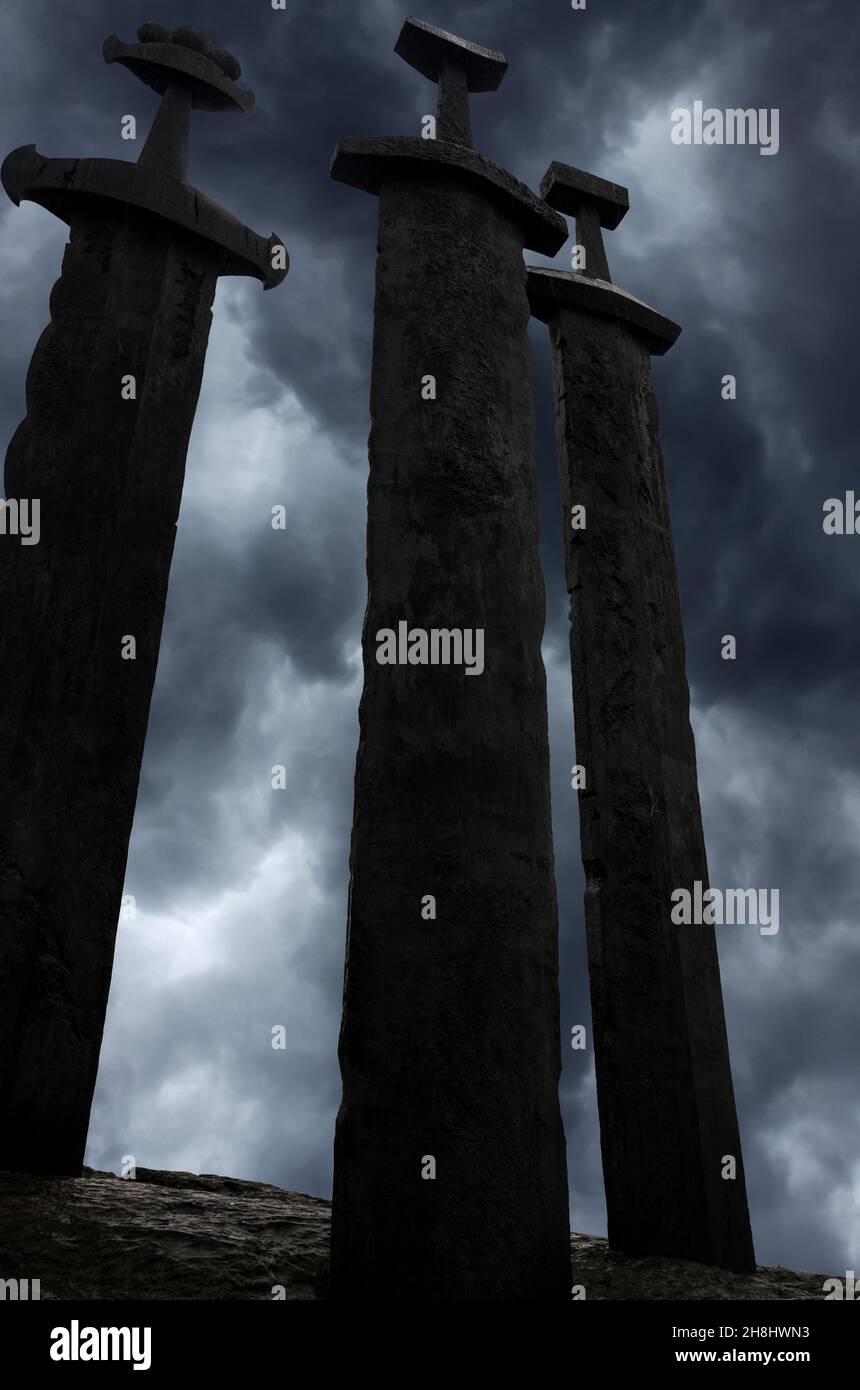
[(183, 1236)]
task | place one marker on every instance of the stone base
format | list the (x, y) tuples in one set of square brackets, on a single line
[(179, 1236)]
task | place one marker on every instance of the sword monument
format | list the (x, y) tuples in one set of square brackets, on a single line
[(664, 1084), (111, 394)]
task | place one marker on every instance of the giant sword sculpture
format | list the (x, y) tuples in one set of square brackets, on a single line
[(111, 395), (664, 1087), (450, 1178)]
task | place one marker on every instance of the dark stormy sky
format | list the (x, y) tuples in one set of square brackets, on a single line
[(241, 890)]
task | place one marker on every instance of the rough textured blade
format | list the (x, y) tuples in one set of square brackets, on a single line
[(73, 714)]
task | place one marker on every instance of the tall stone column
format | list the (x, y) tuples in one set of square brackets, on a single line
[(664, 1085), (450, 1179), (111, 395)]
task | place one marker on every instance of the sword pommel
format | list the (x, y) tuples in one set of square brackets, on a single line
[(183, 67), (186, 57)]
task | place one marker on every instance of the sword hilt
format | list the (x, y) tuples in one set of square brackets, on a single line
[(187, 72), (459, 67), (594, 202), (183, 67)]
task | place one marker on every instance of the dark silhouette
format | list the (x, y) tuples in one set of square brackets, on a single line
[(111, 394), (450, 1045), (664, 1085)]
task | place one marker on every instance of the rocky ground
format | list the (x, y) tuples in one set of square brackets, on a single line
[(180, 1236)]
